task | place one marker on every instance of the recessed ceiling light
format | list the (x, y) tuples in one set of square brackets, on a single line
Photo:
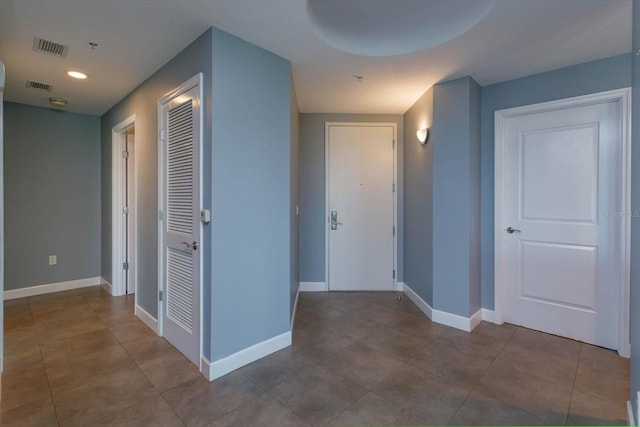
[(77, 74)]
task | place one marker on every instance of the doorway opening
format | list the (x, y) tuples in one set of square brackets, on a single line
[(124, 202)]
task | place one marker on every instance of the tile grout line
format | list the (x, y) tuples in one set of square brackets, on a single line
[(573, 388), (44, 364)]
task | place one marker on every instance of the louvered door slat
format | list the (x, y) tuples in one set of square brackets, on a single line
[(179, 289), (180, 168)]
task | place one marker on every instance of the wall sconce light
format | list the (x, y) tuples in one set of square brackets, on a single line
[(423, 135)]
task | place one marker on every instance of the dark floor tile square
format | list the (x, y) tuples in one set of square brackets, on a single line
[(395, 344), (318, 395), (429, 396), (449, 362), (263, 411), (39, 413), (200, 403), (482, 410), (74, 349), (132, 329), (602, 383), (590, 410), (419, 326), (546, 343), (527, 392), (169, 371), (276, 368), (93, 369), (23, 387), (151, 412), (371, 410), (362, 365), (598, 357), (84, 405), (548, 366)]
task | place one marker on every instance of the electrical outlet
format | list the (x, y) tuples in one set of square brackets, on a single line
[(53, 259)]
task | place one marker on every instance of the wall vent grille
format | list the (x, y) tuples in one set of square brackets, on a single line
[(37, 85), (49, 47)]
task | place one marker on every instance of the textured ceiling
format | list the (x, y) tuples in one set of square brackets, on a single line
[(136, 37)]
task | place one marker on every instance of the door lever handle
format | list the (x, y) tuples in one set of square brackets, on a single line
[(193, 245), (512, 230)]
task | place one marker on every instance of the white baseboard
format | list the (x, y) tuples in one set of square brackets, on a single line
[(422, 304), (475, 319), (630, 418), (51, 287), (453, 320), (106, 285), (213, 370), (295, 308), (313, 287), (489, 315), (466, 324), (398, 287), (148, 319)]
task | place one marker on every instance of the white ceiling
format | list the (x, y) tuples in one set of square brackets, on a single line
[(136, 37)]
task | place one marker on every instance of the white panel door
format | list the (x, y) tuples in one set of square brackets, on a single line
[(181, 223), (360, 176), (562, 185)]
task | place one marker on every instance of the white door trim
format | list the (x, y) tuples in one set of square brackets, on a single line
[(327, 227), (118, 220), (623, 96), (194, 81)]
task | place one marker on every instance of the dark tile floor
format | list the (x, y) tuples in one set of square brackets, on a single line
[(81, 358)]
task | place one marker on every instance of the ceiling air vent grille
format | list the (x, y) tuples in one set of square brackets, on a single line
[(49, 47), (36, 85)]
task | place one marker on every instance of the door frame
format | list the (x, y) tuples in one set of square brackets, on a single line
[(195, 81), (118, 220), (623, 97), (327, 227)]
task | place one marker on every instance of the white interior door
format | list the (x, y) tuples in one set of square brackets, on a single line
[(181, 118), (562, 234), (360, 208)]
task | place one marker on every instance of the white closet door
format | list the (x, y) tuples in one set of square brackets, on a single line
[(181, 223)]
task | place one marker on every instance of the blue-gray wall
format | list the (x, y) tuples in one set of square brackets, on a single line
[(312, 191), (251, 165), (591, 77), (52, 195), (635, 222), (143, 102), (418, 200), (295, 198), (456, 173)]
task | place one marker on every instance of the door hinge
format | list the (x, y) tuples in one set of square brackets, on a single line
[(394, 230), (394, 274), (160, 295), (125, 265), (161, 134), (393, 143), (125, 154), (125, 210), (393, 187), (160, 215)]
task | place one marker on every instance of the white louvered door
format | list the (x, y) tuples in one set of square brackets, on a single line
[(181, 234)]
